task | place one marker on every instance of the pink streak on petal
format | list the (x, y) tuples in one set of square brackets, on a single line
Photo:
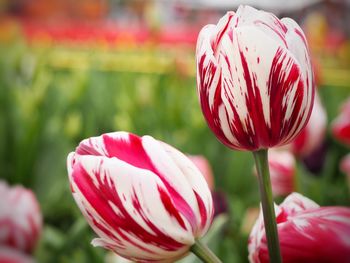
[(129, 150), (279, 84), (202, 210), (169, 206), (98, 197)]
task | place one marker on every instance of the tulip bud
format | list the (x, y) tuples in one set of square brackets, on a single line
[(312, 136), (282, 172), (254, 79), (20, 218), (307, 233), (341, 125), (144, 199)]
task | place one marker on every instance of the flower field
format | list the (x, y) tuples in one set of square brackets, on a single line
[(54, 94)]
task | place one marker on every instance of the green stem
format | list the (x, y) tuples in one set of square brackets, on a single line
[(204, 253), (262, 168)]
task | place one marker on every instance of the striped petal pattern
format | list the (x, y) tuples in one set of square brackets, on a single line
[(307, 233), (20, 218), (254, 79), (144, 199)]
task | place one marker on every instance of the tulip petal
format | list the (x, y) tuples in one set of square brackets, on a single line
[(297, 45), (266, 22), (307, 233), (296, 202), (177, 173), (122, 145), (132, 150), (264, 108), (319, 235), (114, 197), (199, 187), (209, 81)]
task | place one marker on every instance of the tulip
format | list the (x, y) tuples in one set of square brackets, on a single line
[(144, 199), (307, 233), (312, 136), (341, 125), (20, 218), (282, 172), (256, 89), (10, 255), (254, 79)]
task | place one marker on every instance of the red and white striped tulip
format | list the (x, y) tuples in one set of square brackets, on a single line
[(307, 233), (11, 255), (254, 79), (341, 125), (144, 199), (282, 172), (312, 136), (20, 218)]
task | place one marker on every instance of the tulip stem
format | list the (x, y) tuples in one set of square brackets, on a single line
[(204, 253), (262, 167)]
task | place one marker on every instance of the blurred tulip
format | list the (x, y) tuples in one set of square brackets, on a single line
[(254, 79), (345, 167), (307, 233), (341, 125), (204, 167), (282, 172), (10, 255), (144, 199), (345, 164), (312, 136), (20, 218)]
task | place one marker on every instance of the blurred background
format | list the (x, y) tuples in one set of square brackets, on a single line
[(75, 69)]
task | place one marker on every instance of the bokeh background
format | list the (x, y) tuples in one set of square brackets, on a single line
[(75, 69)]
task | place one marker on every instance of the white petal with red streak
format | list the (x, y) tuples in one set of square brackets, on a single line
[(197, 181), (265, 22), (265, 50), (172, 174), (297, 45), (128, 178), (296, 202)]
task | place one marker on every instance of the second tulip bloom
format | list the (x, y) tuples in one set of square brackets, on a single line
[(144, 199)]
